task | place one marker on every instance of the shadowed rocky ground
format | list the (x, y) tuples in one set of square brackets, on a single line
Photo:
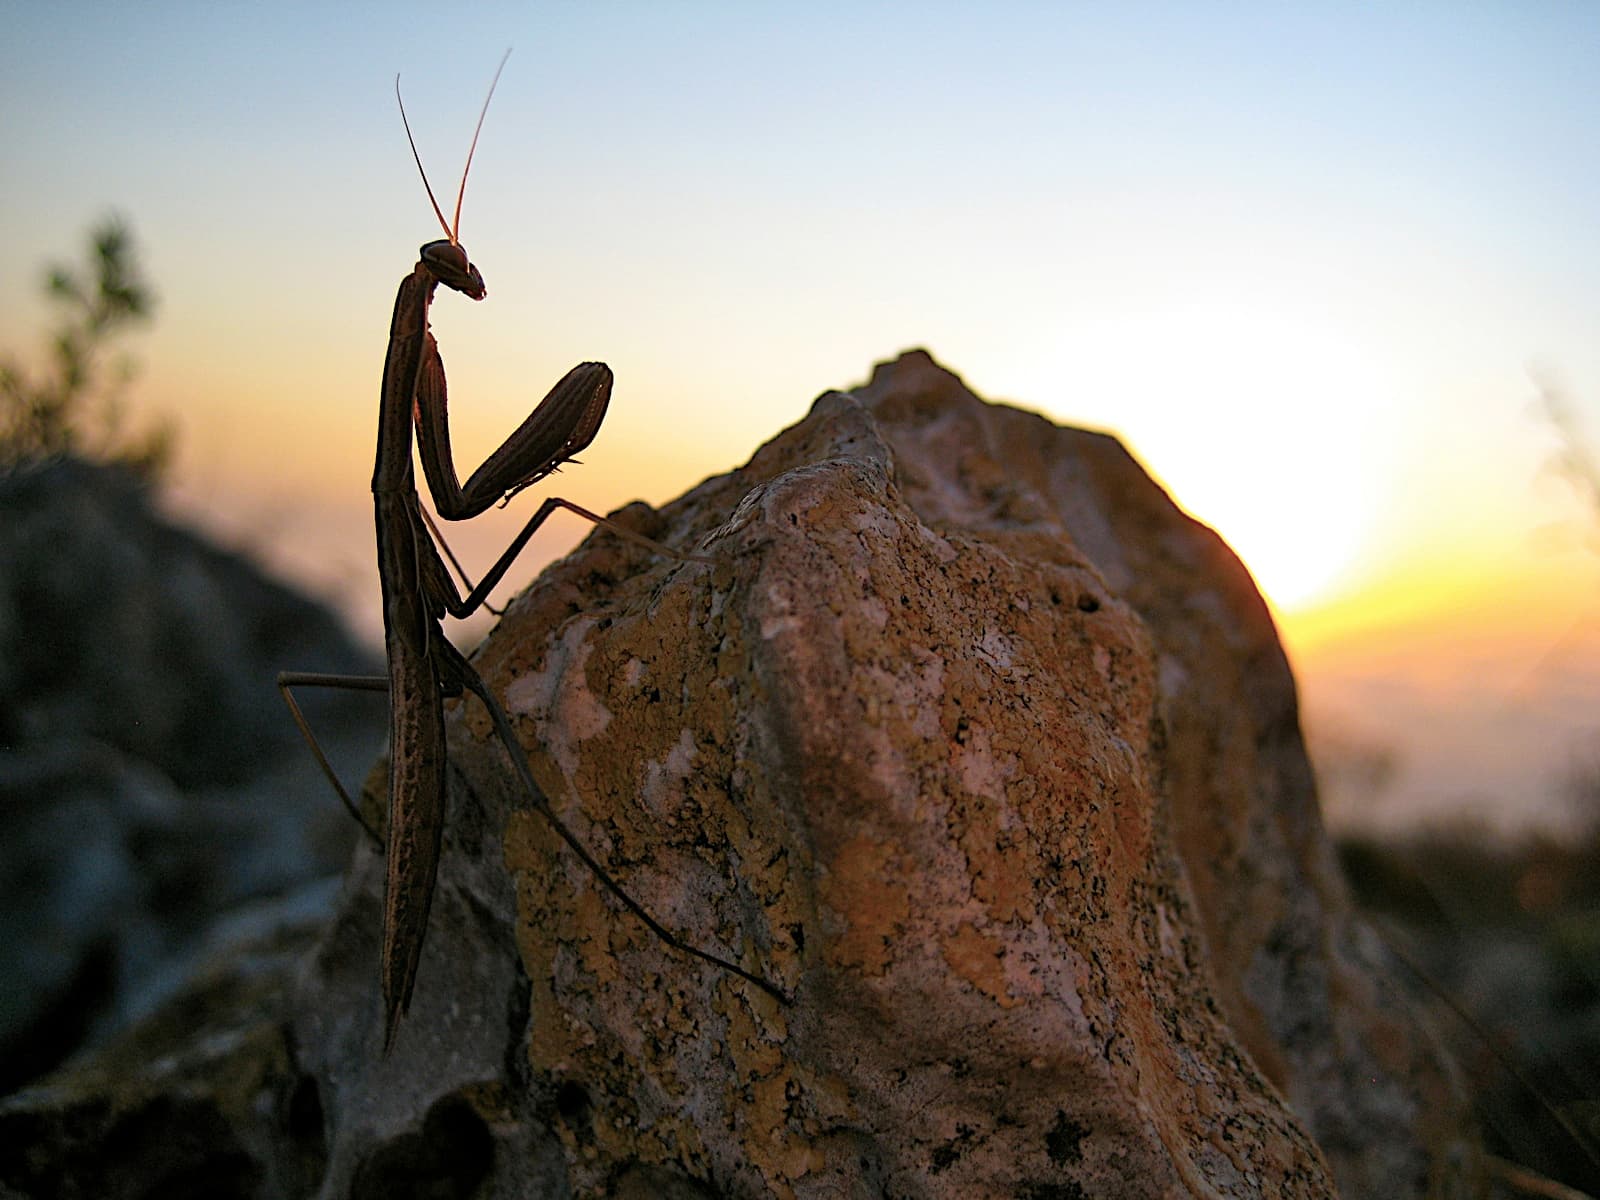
[(1511, 933), (150, 780)]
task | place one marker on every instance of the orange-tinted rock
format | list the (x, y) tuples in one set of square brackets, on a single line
[(967, 739), (988, 755)]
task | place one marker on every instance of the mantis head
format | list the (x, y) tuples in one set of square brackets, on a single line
[(448, 262)]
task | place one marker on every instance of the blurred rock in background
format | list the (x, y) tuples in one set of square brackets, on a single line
[(151, 779)]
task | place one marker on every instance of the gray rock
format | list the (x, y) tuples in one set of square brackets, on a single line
[(149, 777)]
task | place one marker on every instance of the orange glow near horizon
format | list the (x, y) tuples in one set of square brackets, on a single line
[(1452, 607)]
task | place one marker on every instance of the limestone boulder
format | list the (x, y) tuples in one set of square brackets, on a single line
[(982, 753), (985, 754)]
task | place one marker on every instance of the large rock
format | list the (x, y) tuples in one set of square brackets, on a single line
[(973, 744)]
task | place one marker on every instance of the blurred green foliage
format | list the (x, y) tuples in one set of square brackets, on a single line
[(74, 406)]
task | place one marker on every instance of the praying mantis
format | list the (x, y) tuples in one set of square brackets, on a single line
[(424, 668)]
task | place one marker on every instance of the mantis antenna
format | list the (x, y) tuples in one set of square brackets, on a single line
[(453, 232)]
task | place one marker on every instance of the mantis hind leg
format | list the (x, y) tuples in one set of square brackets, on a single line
[(458, 674), (287, 682), (458, 669)]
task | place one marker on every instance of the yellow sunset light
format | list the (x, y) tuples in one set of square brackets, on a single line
[(1267, 427)]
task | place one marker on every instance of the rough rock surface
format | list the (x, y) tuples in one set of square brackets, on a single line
[(981, 750)]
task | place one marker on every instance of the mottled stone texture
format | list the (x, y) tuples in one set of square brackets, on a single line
[(987, 754), (976, 746)]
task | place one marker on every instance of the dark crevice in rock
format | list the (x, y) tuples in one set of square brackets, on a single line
[(446, 1160)]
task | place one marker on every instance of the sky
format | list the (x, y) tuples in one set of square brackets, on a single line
[(1306, 261)]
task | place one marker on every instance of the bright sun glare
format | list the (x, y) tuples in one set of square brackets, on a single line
[(1266, 428)]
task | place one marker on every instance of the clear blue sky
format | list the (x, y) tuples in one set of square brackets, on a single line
[(1299, 256)]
